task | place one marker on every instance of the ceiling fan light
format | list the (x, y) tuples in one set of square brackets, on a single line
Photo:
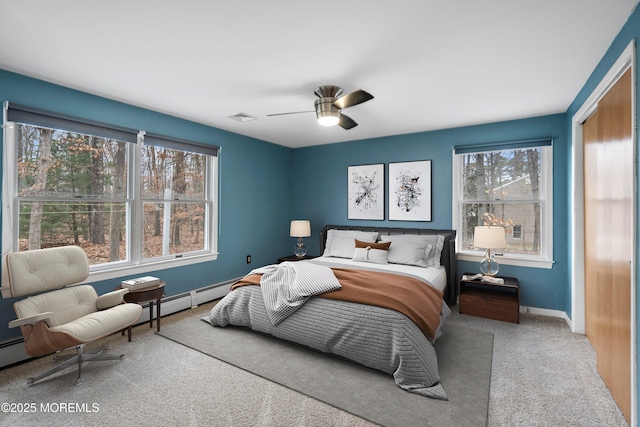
[(329, 119), (327, 113)]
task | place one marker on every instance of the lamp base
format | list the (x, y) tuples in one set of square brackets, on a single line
[(300, 250), (489, 266)]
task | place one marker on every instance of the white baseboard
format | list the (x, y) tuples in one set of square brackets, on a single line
[(12, 351), (547, 312), (191, 299)]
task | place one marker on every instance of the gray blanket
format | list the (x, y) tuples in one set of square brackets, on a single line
[(286, 286), (376, 337)]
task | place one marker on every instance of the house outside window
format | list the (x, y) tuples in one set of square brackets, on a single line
[(128, 199), (508, 185)]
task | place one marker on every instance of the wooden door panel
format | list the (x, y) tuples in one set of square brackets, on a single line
[(608, 194)]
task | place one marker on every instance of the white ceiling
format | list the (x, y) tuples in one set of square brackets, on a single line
[(430, 64)]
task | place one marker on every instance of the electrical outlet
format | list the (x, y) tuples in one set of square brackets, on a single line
[(248, 259)]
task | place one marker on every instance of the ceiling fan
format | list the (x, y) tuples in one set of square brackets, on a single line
[(329, 106)]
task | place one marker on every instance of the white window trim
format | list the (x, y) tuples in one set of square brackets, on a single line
[(545, 259), (116, 269), (508, 259)]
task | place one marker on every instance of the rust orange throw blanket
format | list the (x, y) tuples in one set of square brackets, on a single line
[(415, 299)]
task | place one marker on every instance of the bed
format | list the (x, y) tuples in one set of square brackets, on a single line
[(362, 300)]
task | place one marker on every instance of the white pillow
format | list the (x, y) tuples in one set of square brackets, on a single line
[(433, 258), (422, 250), (407, 249), (341, 243), (375, 256)]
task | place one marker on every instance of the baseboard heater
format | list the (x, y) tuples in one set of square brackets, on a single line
[(12, 350)]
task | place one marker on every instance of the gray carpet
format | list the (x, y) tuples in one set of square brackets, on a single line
[(542, 375), (158, 383), (464, 357)]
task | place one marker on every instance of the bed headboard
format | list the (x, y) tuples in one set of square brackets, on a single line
[(447, 259)]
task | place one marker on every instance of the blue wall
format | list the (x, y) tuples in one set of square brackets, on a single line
[(320, 188), (254, 193)]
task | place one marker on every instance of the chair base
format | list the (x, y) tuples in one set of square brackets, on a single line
[(79, 358)]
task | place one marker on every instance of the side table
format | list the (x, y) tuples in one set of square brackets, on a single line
[(491, 300), (294, 258), (140, 296)]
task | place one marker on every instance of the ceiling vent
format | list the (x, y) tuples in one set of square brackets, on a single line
[(242, 117)]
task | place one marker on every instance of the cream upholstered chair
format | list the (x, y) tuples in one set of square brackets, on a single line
[(57, 316)]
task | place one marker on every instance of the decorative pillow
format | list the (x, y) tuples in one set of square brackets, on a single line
[(340, 243), (415, 249), (371, 252), (379, 245), (375, 256)]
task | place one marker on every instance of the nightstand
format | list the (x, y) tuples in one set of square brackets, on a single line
[(491, 300), (293, 258)]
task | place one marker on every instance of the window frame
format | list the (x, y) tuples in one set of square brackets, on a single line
[(545, 259), (135, 264)]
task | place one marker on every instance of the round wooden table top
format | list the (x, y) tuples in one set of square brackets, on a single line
[(151, 293)]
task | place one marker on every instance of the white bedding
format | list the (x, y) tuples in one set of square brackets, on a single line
[(436, 276)]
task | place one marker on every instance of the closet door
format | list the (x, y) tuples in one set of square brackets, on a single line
[(608, 193)]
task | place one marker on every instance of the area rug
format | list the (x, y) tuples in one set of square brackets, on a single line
[(464, 358)]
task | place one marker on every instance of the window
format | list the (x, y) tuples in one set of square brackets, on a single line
[(127, 198), (517, 231), (175, 197), (507, 185)]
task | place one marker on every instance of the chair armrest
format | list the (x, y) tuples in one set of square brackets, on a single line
[(32, 320), (111, 299)]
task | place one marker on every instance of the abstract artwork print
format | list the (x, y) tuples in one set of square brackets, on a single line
[(366, 192), (410, 191)]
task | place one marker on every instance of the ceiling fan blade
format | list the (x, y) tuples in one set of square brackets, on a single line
[(293, 112), (354, 98), (346, 122)]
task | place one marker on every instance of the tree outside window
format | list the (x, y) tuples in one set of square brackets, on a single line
[(503, 188), (77, 189)]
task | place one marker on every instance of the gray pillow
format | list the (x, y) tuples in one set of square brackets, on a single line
[(423, 250), (342, 244)]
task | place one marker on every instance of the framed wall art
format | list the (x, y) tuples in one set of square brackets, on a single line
[(410, 191), (366, 192)]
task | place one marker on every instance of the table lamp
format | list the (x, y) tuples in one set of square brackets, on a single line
[(300, 228), (487, 237)]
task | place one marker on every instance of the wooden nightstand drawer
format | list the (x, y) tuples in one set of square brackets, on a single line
[(490, 305), (491, 301)]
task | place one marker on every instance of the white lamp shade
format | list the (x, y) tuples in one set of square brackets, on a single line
[(489, 237), (300, 228)]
